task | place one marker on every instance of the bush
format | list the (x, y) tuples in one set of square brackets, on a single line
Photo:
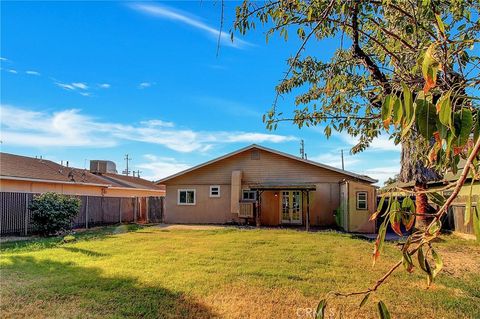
[(53, 213)]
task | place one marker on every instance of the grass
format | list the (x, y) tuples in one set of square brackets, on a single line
[(159, 273)]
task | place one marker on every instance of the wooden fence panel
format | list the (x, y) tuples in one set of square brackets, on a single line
[(155, 209), (94, 211), (128, 207), (459, 217)]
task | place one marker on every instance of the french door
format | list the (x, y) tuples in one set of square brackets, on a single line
[(291, 207)]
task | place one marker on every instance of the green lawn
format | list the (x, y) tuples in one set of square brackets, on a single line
[(229, 273)]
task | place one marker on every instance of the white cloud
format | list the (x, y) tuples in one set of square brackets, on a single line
[(12, 71), (382, 173), (85, 93), (335, 159), (380, 143), (80, 85), (104, 86), (69, 127), (30, 72), (144, 85), (65, 86), (168, 13), (158, 123), (156, 167), (3, 59)]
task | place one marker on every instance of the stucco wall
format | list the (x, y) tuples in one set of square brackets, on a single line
[(208, 210), (358, 220), (71, 189)]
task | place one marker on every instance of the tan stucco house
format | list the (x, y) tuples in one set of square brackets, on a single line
[(264, 186)]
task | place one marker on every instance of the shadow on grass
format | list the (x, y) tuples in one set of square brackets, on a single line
[(38, 243), (66, 288), (86, 252)]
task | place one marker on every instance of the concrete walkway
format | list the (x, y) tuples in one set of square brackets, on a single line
[(191, 227)]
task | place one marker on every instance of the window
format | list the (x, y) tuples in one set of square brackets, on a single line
[(215, 191), (255, 155), (362, 200), (186, 197), (249, 195)]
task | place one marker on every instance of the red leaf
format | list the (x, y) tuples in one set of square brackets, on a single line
[(396, 228)]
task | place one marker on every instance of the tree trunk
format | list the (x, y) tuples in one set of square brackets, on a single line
[(421, 203)]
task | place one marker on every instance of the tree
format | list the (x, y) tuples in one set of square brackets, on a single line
[(406, 68), (53, 213)]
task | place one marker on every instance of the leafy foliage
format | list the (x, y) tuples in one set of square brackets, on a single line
[(406, 73), (53, 213)]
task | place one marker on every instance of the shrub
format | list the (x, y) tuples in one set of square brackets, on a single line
[(53, 213)]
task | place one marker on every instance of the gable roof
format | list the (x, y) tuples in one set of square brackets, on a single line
[(266, 149), (28, 168)]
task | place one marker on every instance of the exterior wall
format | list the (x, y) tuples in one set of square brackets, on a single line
[(270, 168), (71, 189), (207, 210), (358, 220)]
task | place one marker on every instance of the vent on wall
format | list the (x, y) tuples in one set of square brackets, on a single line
[(255, 155)]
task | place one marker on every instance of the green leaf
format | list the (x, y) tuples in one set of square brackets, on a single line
[(444, 109), (436, 198), (438, 263), (422, 261), (435, 227), (463, 121), (382, 310), (476, 130), (468, 205), (441, 26), (425, 117), (397, 111), (387, 108), (407, 261), (380, 241), (430, 68), (320, 314), (476, 222), (364, 300)]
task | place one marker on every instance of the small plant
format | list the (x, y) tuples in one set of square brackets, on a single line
[(69, 239), (53, 213)]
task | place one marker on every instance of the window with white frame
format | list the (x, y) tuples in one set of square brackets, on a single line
[(249, 195), (186, 197), (362, 200), (215, 191)]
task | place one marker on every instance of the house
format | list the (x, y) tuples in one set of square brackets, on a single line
[(36, 175), (269, 187), (455, 217)]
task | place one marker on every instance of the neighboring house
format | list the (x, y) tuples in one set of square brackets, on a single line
[(35, 175), (271, 188), (455, 218)]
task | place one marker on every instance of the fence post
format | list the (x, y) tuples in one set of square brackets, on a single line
[(120, 210), (26, 215), (147, 210), (86, 213), (135, 210)]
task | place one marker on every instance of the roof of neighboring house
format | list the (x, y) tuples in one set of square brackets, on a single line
[(266, 149), (130, 181), (17, 166), (28, 168)]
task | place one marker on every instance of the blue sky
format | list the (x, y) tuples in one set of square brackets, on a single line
[(98, 80)]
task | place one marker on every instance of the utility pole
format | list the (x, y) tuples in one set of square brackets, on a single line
[(127, 159), (343, 165), (302, 149)]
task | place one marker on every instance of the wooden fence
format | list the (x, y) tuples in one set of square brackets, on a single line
[(94, 211)]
